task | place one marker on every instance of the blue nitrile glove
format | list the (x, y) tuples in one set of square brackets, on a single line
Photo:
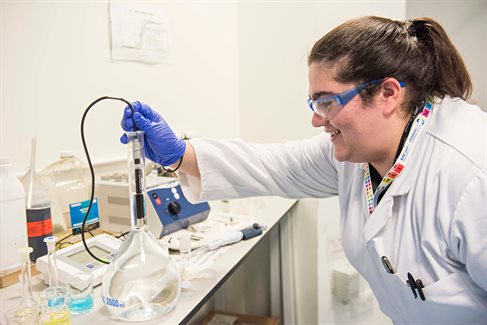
[(161, 144)]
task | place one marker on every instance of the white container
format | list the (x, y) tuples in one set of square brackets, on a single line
[(13, 227), (69, 181)]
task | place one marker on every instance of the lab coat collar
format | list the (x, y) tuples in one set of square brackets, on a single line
[(383, 212)]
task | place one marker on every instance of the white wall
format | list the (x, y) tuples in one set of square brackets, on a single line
[(274, 42), (55, 60), (466, 24)]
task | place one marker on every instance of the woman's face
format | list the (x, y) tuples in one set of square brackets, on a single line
[(356, 130)]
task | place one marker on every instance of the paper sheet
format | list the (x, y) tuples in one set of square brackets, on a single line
[(138, 33)]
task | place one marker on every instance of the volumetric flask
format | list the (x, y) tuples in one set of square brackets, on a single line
[(27, 312), (141, 282), (54, 299)]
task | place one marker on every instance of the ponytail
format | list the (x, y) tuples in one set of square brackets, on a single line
[(451, 75)]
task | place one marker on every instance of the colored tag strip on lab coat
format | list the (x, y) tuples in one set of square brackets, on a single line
[(398, 167)]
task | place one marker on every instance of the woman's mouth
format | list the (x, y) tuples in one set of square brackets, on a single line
[(334, 134)]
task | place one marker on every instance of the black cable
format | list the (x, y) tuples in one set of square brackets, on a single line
[(62, 243), (91, 168), (65, 244), (122, 234), (177, 167), (63, 239)]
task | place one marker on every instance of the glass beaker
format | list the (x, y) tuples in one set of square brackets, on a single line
[(80, 288), (55, 307), (28, 310), (142, 282)]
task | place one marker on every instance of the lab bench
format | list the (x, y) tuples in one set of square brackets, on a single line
[(268, 211)]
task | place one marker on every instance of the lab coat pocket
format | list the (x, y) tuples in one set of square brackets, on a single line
[(447, 301), (452, 290)]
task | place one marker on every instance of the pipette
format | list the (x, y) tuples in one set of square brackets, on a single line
[(232, 237)]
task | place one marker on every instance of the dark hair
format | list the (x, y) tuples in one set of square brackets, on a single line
[(416, 51)]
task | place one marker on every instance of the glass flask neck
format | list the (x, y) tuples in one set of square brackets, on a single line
[(25, 278), (139, 224), (137, 185), (51, 260)]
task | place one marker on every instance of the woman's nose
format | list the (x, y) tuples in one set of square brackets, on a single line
[(318, 120)]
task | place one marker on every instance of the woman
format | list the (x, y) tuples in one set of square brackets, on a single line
[(401, 149)]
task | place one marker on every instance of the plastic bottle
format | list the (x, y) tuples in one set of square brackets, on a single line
[(69, 182), (13, 229), (38, 209)]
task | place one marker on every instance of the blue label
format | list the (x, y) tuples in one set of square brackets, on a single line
[(112, 302)]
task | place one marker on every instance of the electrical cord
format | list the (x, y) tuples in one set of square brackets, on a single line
[(92, 170), (122, 235), (62, 243), (59, 242), (175, 169)]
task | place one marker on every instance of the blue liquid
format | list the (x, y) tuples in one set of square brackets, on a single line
[(56, 301), (81, 305)]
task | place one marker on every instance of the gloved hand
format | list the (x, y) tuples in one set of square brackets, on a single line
[(161, 144)]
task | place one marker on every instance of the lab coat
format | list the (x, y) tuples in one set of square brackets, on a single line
[(431, 222)]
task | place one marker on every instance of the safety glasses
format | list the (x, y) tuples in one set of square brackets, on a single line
[(329, 106)]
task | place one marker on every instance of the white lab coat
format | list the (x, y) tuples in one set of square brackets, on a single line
[(431, 222)]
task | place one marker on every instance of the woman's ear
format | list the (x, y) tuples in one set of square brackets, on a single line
[(391, 95)]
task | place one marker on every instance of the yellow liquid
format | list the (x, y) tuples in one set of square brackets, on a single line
[(61, 317), (25, 315)]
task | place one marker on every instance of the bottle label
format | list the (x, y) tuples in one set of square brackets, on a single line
[(39, 226), (39, 222)]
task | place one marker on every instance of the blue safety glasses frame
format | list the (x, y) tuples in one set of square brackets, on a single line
[(329, 106)]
